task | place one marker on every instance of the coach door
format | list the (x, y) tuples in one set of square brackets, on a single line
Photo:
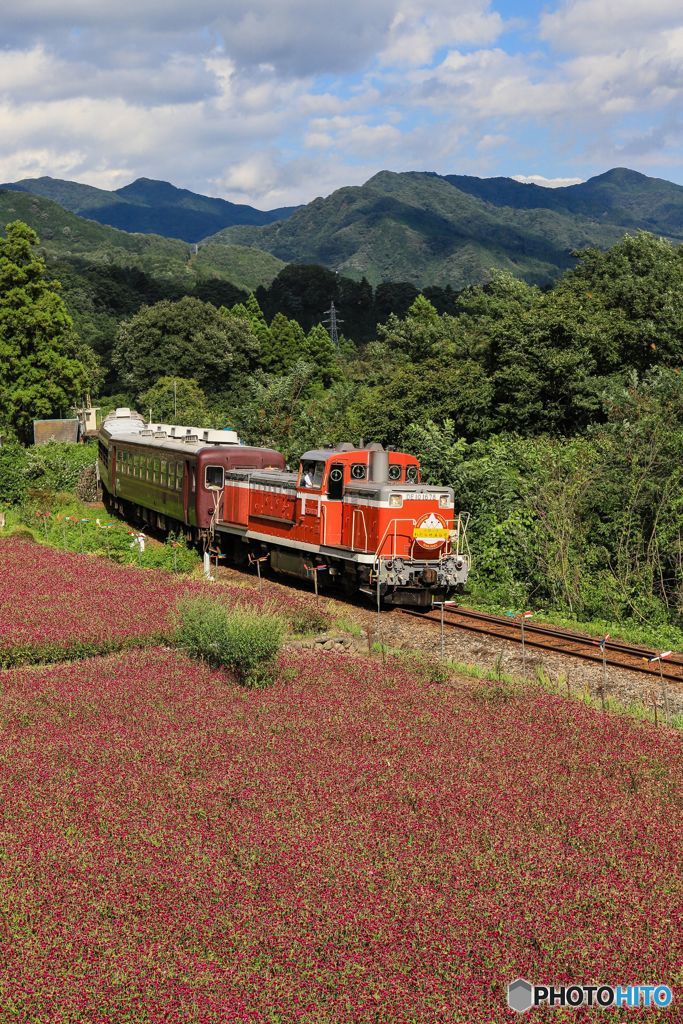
[(186, 491)]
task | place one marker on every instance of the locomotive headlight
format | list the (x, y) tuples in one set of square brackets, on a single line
[(395, 501), (444, 500)]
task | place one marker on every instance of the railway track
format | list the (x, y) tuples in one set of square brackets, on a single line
[(559, 641)]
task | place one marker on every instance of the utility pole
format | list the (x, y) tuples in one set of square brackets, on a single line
[(332, 321)]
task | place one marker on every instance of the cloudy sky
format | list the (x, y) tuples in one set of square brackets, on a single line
[(274, 102)]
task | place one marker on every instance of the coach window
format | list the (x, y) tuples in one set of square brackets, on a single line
[(213, 476), (163, 473), (179, 476)]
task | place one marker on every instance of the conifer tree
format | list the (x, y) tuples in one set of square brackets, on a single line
[(44, 369)]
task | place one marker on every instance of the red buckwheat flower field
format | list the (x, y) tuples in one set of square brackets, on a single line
[(352, 845), (56, 604)]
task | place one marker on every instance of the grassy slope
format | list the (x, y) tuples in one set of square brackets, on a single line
[(418, 227)]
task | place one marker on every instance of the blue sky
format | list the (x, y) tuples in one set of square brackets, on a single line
[(273, 103)]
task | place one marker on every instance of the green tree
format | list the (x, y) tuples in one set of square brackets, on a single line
[(43, 367), (287, 345), (190, 339), (544, 372), (252, 314), (270, 409), (636, 289), (458, 390), (176, 400), (422, 333), (321, 353)]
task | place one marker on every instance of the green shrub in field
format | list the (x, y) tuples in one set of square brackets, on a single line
[(241, 640), (57, 465), (13, 458)]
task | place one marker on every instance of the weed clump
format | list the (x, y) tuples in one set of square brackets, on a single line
[(308, 620), (241, 640)]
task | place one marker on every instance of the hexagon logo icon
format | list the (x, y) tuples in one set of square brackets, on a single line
[(520, 995)]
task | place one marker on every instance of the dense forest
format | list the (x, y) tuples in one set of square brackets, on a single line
[(556, 414)]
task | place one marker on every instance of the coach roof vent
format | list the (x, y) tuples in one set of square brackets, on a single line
[(122, 413), (147, 432), (190, 439), (160, 433)]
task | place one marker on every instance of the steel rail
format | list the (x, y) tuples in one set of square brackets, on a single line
[(559, 641)]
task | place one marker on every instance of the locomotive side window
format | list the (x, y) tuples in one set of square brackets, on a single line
[(358, 471), (213, 476), (394, 471), (411, 474), (311, 473)]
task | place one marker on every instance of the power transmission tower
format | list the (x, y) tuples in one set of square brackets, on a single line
[(331, 321)]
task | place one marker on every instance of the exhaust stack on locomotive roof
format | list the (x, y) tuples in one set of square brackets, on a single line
[(378, 464)]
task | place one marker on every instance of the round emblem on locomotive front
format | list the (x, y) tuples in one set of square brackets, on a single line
[(430, 531)]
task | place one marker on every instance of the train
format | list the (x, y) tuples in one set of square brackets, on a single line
[(358, 518)]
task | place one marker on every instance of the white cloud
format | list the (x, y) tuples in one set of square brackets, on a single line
[(538, 179), (600, 26), (271, 102), (422, 27)]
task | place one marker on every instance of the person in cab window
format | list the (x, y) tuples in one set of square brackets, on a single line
[(307, 474)]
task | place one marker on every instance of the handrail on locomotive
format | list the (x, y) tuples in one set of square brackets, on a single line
[(456, 545)]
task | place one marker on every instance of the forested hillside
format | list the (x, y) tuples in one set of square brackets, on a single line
[(429, 230), (620, 196), (151, 207)]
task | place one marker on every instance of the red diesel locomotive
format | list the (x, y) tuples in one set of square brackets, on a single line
[(359, 517)]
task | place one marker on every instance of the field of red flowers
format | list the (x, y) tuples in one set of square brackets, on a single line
[(56, 604), (351, 846)]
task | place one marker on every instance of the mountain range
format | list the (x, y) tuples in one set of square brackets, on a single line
[(430, 229), (419, 227), (150, 207)]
